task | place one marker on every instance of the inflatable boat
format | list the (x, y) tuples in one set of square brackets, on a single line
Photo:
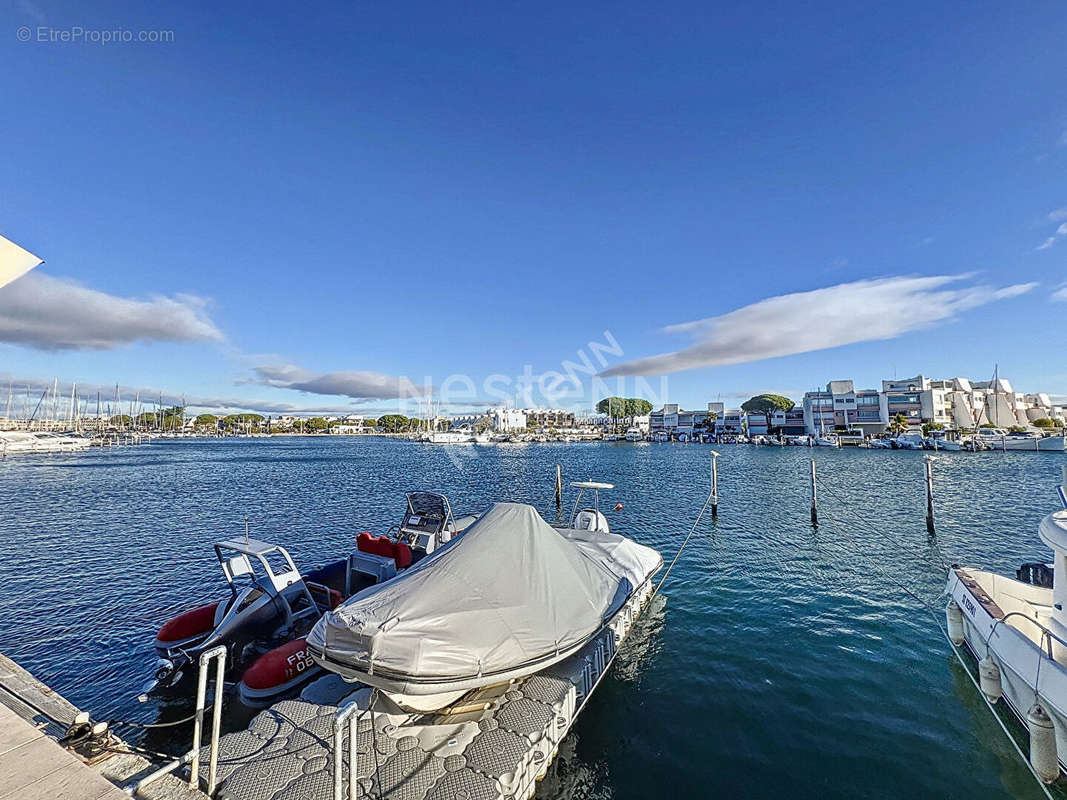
[(272, 605)]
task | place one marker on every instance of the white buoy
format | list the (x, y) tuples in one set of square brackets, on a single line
[(1042, 744), (989, 679), (954, 618)]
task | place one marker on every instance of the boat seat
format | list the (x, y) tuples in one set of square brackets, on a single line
[(400, 552)]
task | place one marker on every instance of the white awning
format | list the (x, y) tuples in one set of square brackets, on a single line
[(14, 261)]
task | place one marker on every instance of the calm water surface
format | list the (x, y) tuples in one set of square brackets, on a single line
[(780, 665)]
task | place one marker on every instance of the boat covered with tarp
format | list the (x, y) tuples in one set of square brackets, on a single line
[(510, 597)]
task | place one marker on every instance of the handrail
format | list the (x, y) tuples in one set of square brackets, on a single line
[(1045, 632), (347, 714), (219, 653)]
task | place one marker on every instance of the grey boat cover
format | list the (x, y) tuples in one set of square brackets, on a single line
[(512, 591)]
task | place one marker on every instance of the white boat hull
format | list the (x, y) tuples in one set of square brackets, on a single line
[(1033, 444), (1015, 653)]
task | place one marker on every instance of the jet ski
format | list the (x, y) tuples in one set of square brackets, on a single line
[(509, 598), (271, 605)]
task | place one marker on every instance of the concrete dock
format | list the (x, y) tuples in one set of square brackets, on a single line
[(34, 766)]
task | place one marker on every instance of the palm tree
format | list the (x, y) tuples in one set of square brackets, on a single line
[(899, 424)]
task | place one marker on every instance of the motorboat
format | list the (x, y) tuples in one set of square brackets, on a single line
[(826, 441), (661, 436), (1017, 629), (908, 441), (272, 605), (611, 437), (40, 442), (458, 436), (878, 444), (634, 435), (510, 598), (941, 444), (1000, 439)]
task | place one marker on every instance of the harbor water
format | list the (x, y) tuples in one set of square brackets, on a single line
[(787, 661)]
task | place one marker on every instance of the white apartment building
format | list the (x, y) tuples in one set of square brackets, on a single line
[(843, 407), (508, 420), (952, 403)]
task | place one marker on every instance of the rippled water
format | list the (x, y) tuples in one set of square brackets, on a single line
[(780, 664)]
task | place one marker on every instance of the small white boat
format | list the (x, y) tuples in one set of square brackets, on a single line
[(827, 441), (942, 444), (1017, 628), (458, 436), (40, 442), (879, 444), (1000, 439), (660, 436), (908, 441), (634, 435), (611, 437)]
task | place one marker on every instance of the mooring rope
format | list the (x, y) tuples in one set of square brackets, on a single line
[(937, 620), (844, 505), (111, 723), (711, 493)]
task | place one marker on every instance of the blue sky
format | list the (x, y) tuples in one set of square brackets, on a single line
[(341, 197)]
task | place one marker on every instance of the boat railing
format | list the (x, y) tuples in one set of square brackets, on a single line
[(348, 715), (218, 654), (1047, 636)]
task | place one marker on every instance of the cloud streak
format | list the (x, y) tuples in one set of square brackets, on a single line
[(1059, 234), (26, 390), (848, 313), (359, 385), (49, 313)]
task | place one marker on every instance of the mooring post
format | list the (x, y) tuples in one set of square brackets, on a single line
[(559, 487), (814, 498), (714, 484), (929, 494)]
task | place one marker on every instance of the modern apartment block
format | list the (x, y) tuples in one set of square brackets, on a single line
[(953, 403), (672, 419), (843, 407)]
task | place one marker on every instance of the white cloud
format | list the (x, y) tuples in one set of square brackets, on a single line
[(862, 311), (1061, 232), (357, 385), (50, 313), (1060, 295), (1058, 214), (28, 390)]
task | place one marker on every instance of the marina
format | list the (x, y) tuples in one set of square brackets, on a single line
[(564, 402), (717, 624)]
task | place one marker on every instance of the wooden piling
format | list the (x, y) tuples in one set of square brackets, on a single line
[(714, 485), (814, 498), (559, 487), (929, 495)]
